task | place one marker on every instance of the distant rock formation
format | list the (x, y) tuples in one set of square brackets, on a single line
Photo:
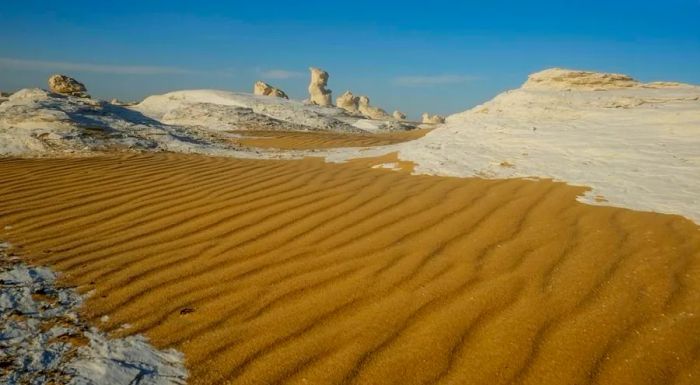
[(318, 93), (370, 111), (434, 119), (398, 115), (563, 79), (262, 88), (65, 85), (348, 102)]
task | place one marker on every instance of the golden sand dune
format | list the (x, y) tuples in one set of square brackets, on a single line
[(303, 272), (299, 140)]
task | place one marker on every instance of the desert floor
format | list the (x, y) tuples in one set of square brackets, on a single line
[(304, 272), (323, 140)]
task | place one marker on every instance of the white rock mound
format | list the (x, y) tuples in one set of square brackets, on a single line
[(636, 145), (318, 93), (562, 79), (65, 85), (398, 115), (34, 122), (348, 102), (262, 88), (432, 119), (370, 111), (224, 110)]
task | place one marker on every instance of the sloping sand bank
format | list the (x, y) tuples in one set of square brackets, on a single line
[(306, 272)]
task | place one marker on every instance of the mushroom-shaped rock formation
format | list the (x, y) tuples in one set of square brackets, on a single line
[(348, 102), (370, 111), (262, 88), (434, 119), (65, 85), (318, 93), (398, 115)]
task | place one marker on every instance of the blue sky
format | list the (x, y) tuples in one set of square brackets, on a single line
[(437, 56)]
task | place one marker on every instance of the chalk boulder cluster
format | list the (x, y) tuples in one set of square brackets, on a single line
[(432, 119), (262, 88), (62, 84), (355, 105)]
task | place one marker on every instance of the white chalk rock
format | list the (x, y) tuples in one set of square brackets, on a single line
[(262, 88), (63, 84), (370, 111), (318, 93), (348, 102), (563, 79), (398, 115), (434, 119)]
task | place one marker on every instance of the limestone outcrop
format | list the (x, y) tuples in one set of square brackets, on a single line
[(262, 88), (348, 102), (563, 79), (318, 93), (432, 119), (398, 115), (370, 111), (62, 84)]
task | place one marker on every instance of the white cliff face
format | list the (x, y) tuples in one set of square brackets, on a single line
[(318, 93), (636, 146)]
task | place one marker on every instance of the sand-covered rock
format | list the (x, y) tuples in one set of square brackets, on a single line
[(264, 89), (564, 79), (432, 119), (370, 111), (318, 93), (66, 85), (398, 115), (348, 102)]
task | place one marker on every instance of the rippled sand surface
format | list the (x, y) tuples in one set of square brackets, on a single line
[(310, 273), (299, 140)]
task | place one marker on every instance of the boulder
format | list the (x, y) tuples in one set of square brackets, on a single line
[(434, 119), (262, 88), (398, 115), (348, 102), (370, 111), (318, 93), (65, 85)]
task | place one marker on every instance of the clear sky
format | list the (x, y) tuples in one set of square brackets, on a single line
[(432, 55)]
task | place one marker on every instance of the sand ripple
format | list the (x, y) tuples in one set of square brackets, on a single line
[(306, 272)]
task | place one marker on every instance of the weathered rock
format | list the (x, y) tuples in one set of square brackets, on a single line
[(370, 111), (434, 119), (348, 102), (318, 93), (563, 79), (63, 84), (262, 88), (398, 115)]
